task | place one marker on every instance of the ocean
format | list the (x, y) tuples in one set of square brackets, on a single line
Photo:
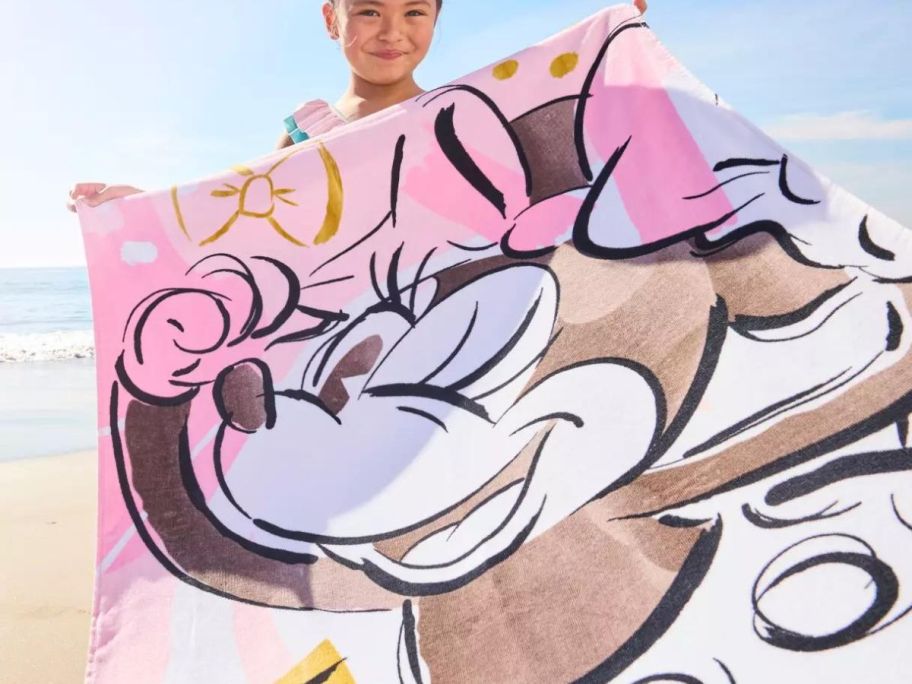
[(45, 315), (47, 369)]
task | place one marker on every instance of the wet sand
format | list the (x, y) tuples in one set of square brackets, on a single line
[(47, 408)]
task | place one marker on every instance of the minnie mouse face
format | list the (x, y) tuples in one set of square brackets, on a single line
[(406, 415)]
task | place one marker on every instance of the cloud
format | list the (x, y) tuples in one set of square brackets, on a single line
[(135, 253), (853, 125)]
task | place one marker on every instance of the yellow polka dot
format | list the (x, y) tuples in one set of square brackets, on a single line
[(506, 70), (564, 64)]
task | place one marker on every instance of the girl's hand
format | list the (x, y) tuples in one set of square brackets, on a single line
[(98, 193), (641, 5)]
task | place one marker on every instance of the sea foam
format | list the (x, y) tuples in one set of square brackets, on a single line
[(51, 346)]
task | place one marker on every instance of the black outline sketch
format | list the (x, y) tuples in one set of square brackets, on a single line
[(325, 333)]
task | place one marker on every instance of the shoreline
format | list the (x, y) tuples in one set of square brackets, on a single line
[(48, 510)]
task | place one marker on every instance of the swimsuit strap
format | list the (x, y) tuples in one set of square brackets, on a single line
[(313, 118)]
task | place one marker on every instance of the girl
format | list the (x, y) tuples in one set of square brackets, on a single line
[(383, 41)]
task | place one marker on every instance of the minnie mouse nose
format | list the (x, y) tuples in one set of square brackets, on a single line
[(244, 396)]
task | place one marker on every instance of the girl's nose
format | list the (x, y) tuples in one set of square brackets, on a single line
[(391, 29)]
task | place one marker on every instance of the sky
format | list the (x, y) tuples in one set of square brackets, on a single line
[(153, 93)]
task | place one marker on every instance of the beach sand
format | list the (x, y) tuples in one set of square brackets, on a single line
[(47, 553)]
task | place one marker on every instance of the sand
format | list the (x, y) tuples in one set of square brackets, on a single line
[(47, 551)]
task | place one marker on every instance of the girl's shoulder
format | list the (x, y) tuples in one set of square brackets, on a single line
[(312, 118)]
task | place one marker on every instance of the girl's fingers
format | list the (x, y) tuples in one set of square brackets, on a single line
[(94, 194), (81, 190), (109, 193), (641, 5), (86, 189)]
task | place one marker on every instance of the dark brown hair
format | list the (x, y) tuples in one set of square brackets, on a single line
[(439, 4)]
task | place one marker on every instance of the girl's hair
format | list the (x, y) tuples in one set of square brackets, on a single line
[(439, 4)]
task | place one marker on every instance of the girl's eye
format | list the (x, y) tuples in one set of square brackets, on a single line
[(368, 13), (416, 13)]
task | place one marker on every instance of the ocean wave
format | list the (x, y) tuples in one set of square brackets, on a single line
[(53, 346)]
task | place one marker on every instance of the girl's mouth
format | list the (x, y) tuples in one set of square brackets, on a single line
[(389, 54)]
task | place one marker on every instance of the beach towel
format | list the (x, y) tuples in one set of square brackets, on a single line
[(561, 372)]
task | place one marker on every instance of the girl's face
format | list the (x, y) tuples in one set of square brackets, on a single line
[(383, 40)]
